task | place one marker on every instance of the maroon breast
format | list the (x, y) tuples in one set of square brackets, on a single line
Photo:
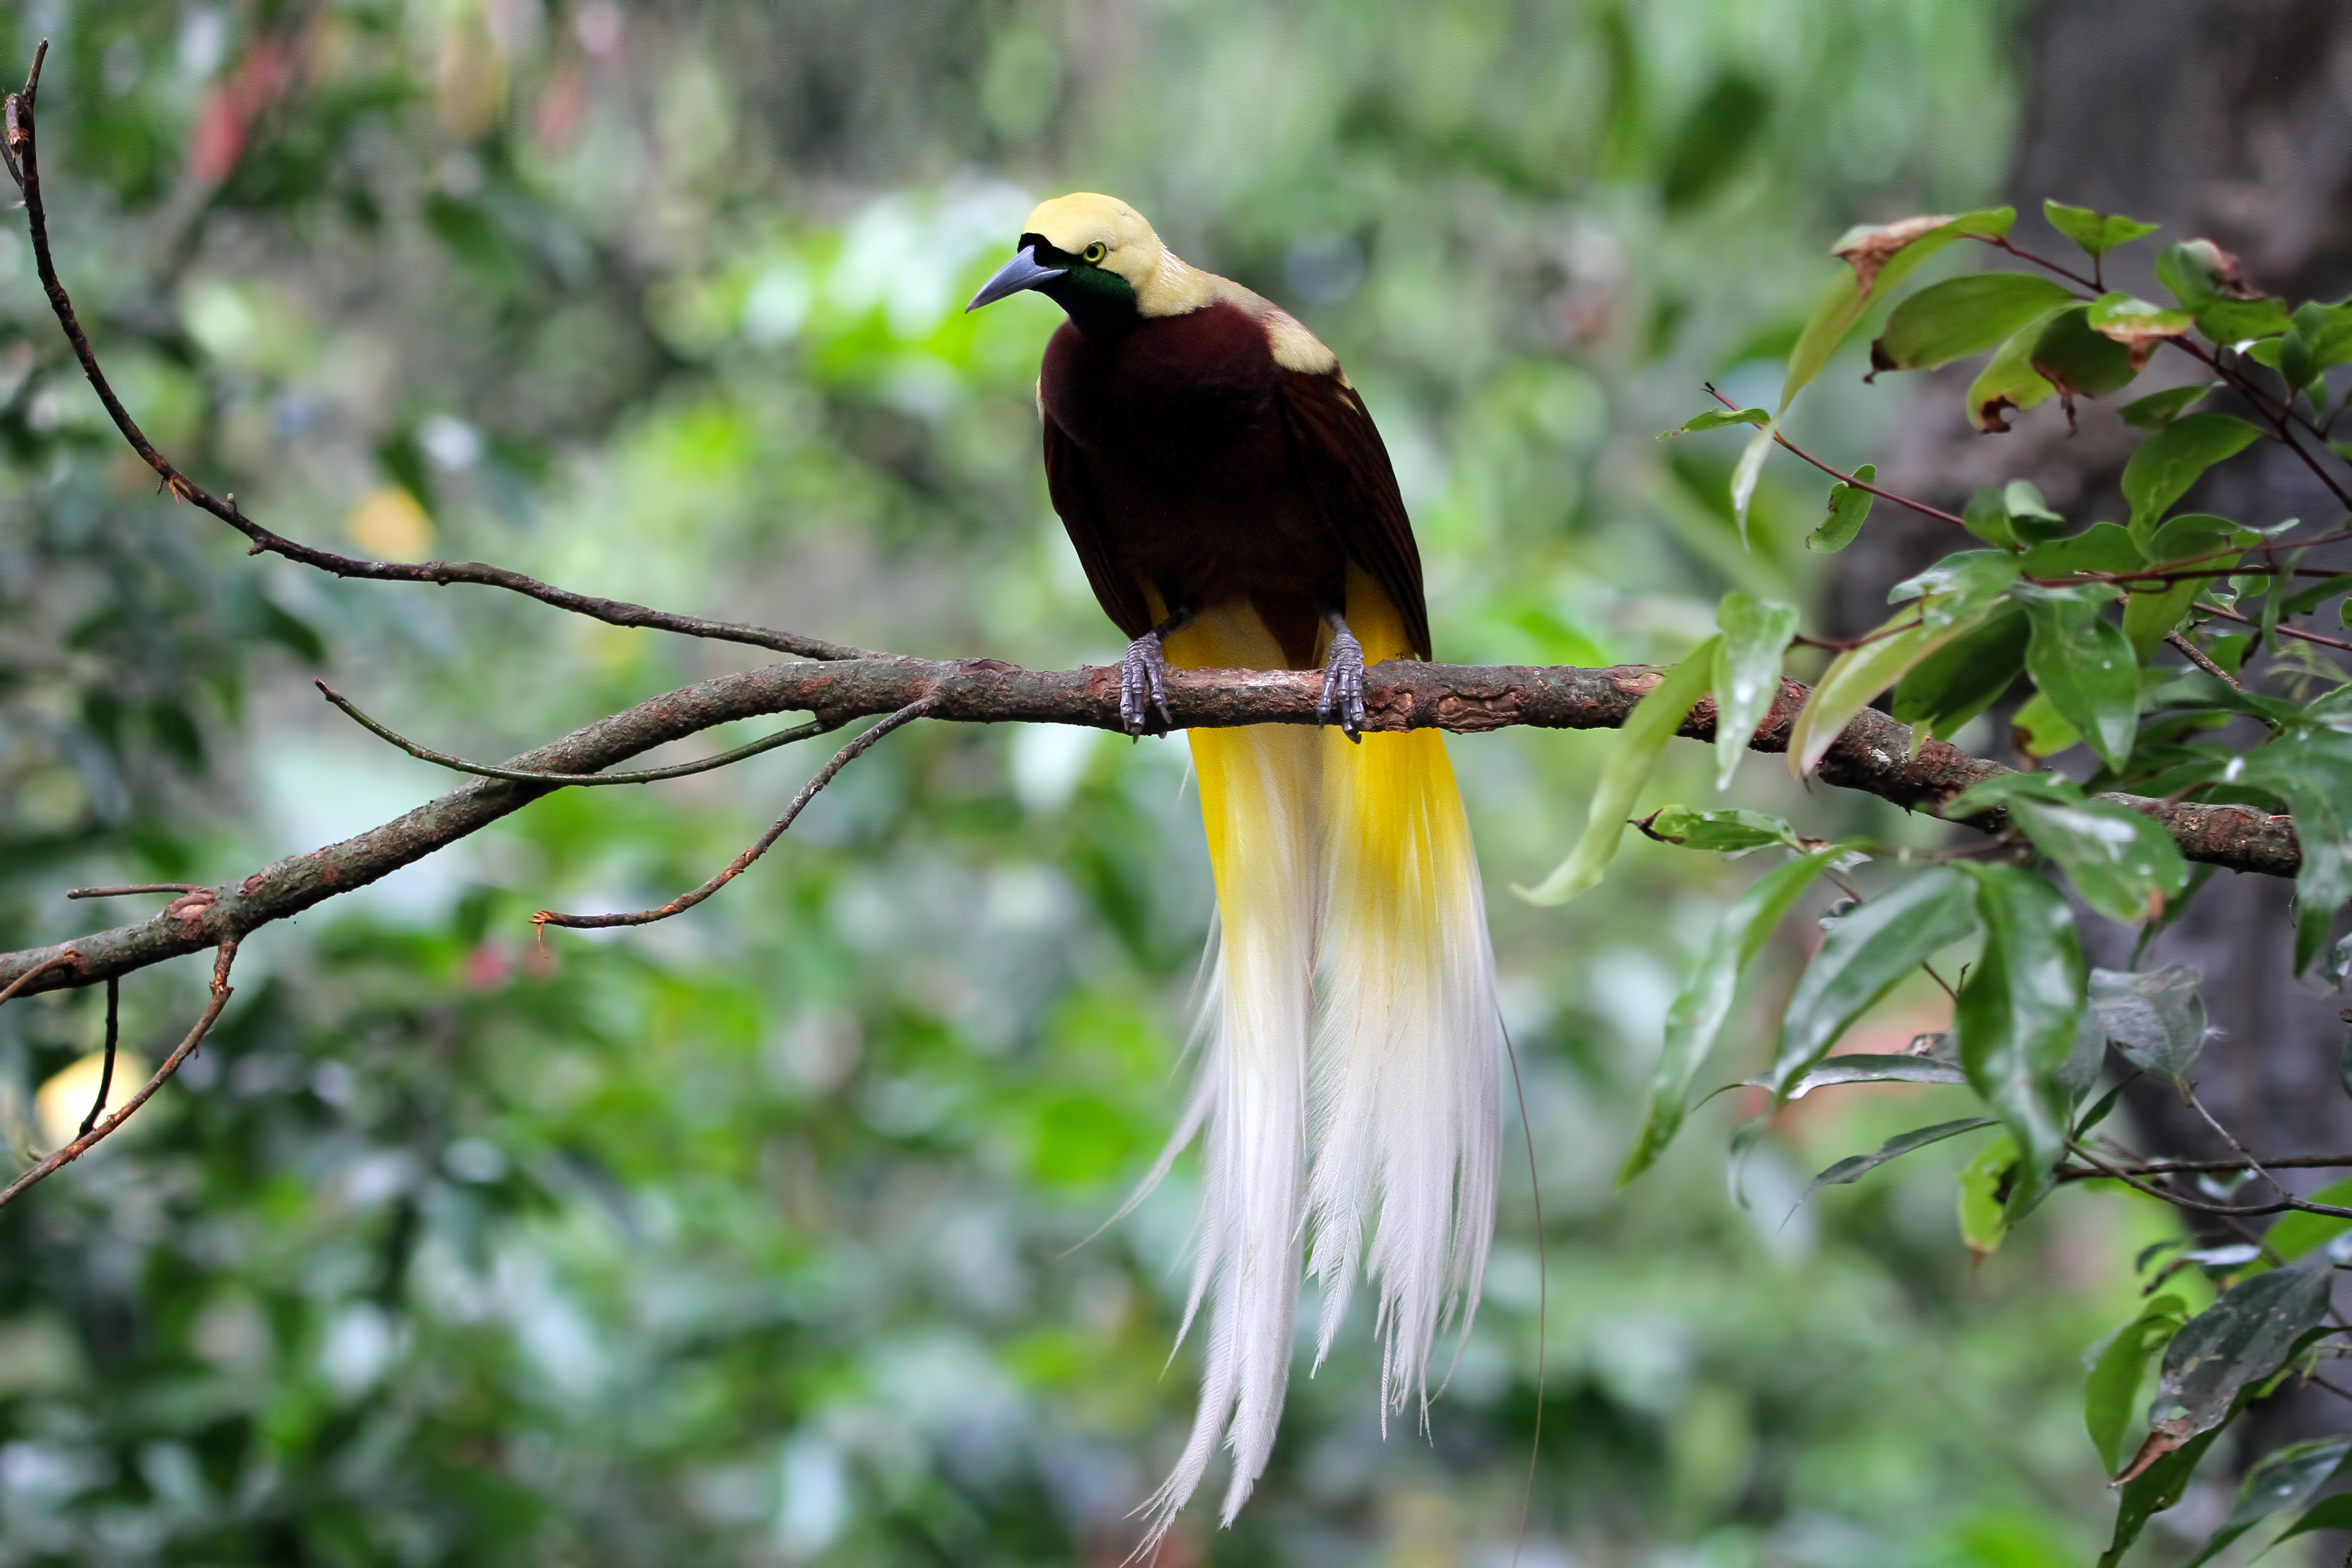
[(1180, 423)]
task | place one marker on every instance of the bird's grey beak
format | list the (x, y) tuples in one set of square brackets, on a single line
[(1022, 272)]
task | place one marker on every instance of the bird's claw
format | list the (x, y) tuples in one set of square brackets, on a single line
[(1143, 684), (1343, 685)]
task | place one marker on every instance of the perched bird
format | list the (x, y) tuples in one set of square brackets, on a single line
[(1235, 507)]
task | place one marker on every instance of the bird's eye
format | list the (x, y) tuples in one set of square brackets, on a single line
[(1093, 253)]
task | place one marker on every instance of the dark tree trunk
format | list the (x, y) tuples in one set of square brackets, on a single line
[(2231, 120)]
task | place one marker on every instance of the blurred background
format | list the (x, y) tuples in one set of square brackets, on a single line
[(755, 1236)]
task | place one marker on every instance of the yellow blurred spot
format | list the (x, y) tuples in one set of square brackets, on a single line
[(469, 79), (66, 1099), (389, 524)]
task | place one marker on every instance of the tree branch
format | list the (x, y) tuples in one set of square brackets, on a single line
[(1873, 755)]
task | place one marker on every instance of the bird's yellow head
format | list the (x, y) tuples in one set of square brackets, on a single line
[(1098, 259)]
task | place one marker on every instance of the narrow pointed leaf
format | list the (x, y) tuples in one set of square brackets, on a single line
[(2238, 1340), (2174, 458), (1864, 956), (1698, 1011), (1962, 316), (2158, 409), (2327, 1513), (1869, 1067), (2284, 1480), (1744, 477), (2150, 1492), (1716, 419), (1879, 258), (1755, 637), (1640, 743), (2110, 1392), (2096, 232), (2016, 1017), (1723, 832), (1855, 678), (1854, 1167)]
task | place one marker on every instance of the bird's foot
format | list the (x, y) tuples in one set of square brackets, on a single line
[(1343, 683), (1143, 684)]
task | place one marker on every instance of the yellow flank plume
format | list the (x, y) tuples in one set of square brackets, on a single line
[(1352, 1049)]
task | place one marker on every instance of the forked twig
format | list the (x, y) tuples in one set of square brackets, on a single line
[(17, 113), (685, 901), (81, 1144), (817, 726)]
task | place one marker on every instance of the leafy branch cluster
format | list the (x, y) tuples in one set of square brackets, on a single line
[(2173, 653)]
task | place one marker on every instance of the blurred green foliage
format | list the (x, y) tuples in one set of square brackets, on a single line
[(757, 1238)]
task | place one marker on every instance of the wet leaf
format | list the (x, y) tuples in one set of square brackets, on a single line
[(2094, 231), (2237, 322), (2016, 1016), (2029, 517), (1716, 419), (2140, 327), (2111, 1392), (2239, 1340), (2158, 409), (2102, 547), (1864, 956), (2327, 1513), (2151, 1492), (1961, 680), (1867, 1066), (1755, 635), (1723, 832), (2312, 772), (1849, 510), (2193, 540), (2125, 866), (1640, 743), (1854, 1167), (2283, 1480), (1962, 316), (2084, 664), (1744, 477), (1985, 517), (2301, 1232), (1880, 256), (2078, 360), (1699, 1009), (1958, 586), (2009, 382), (1857, 677), (1982, 1213), (2156, 1018), (2038, 729), (2176, 457), (2318, 337)]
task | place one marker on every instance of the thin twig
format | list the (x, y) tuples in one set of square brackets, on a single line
[(81, 1145), (2189, 1094), (63, 959), (2198, 657), (2209, 1167), (1845, 478), (817, 726), (685, 901), (124, 893), (114, 1034), (2248, 1211), (2279, 626), (20, 144)]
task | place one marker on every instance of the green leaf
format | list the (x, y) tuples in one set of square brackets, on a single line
[(2158, 409), (1863, 956), (2094, 231), (2155, 1018), (2029, 517), (1849, 508), (2038, 729), (2110, 1392), (2327, 1513), (1958, 586), (1744, 475), (1962, 316), (1755, 635), (2239, 1340), (2193, 539), (1988, 517), (2002, 790), (1964, 677), (2283, 1480), (1640, 744), (1854, 1167), (2125, 866), (1867, 1067), (2016, 1016), (1723, 832), (1879, 258), (2152, 1491), (2312, 772), (1698, 1011), (2009, 380), (2300, 1233), (1716, 419), (2239, 322), (2318, 337), (2078, 360), (1983, 1215), (1857, 677), (2141, 328), (2200, 275), (2102, 547), (2084, 664), (2174, 458)]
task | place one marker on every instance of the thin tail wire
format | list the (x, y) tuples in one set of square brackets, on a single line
[(1543, 1294)]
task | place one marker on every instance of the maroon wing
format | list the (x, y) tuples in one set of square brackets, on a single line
[(1073, 491), (1346, 470)]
